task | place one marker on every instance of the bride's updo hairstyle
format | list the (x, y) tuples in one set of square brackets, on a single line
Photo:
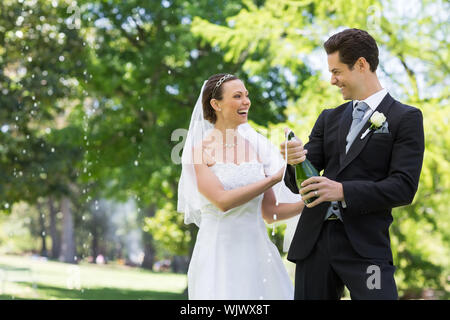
[(213, 90)]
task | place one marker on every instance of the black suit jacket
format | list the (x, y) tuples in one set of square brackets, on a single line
[(379, 172)]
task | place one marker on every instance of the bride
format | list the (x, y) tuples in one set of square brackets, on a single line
[(229, 174)]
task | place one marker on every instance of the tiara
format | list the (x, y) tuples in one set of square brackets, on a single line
[(219, 83)]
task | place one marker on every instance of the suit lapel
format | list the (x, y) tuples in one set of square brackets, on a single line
[(358, 144), (344, 127)]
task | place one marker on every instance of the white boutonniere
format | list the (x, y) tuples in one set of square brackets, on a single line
[(377, 120)]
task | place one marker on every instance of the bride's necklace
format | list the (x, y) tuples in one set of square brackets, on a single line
[(230, 145)]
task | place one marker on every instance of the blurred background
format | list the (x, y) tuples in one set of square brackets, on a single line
[(91, 93)]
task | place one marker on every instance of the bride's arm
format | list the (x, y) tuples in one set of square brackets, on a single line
[(211, 187), (283, 210)]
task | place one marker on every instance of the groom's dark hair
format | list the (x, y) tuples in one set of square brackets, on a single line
[(353, 44)]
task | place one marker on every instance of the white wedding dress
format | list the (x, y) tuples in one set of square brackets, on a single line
[(233, 256)]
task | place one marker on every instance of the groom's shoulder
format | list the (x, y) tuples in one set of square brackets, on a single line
[(336, 110), (332, 114), (342, 107), (402, 108)]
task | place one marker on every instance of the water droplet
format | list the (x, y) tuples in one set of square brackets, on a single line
[(136, 163), (19, 20)]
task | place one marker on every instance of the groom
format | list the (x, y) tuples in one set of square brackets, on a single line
[(342, 237)]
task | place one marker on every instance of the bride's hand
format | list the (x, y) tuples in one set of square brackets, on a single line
[(278, 175)]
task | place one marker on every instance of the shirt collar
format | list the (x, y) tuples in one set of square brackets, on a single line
[(374, 100)]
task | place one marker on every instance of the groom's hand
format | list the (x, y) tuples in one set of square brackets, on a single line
[(323, 188), (295, 152)]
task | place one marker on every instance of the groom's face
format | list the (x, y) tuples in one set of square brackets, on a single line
[(346, 79)]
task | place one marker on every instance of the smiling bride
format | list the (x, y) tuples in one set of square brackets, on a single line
[(229, 174)]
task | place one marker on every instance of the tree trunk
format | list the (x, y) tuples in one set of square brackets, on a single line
[(180, 264), (42, 230), (68, 250), (149, 247), (95, 250), (56, 243)]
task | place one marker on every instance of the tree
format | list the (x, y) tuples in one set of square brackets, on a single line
[(42, 56)]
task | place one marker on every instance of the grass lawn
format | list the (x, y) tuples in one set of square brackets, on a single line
[(55, 280)]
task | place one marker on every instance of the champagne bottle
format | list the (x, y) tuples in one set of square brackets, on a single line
[(303, 170)]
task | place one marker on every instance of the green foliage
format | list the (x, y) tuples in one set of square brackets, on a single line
[(39, 57), (16, 234), (169, 230)]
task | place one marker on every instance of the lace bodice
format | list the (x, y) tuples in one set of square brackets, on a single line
[(234, 176), (238, 175)]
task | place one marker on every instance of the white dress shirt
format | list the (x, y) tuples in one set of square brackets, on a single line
[(373, 101)]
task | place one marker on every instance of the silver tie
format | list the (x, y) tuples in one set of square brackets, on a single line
[(358, 114)]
